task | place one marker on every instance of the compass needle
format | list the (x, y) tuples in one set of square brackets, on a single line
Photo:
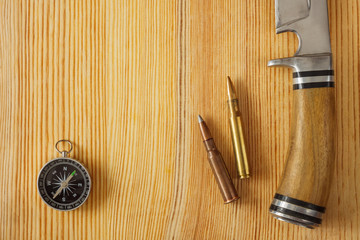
[(57, 192)]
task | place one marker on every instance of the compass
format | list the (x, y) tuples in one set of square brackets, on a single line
[(64, 183)]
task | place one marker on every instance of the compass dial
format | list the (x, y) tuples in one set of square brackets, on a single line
[(64, 184)]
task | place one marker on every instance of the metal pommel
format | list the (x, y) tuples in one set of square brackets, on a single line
[(296, 211)]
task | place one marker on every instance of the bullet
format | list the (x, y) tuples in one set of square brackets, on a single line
[(237, 132), (218, 166)]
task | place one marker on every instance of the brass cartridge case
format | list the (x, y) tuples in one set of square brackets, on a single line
[(237, 133)]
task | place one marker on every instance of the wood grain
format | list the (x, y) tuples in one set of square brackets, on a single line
[(125, 80), (309, 167)]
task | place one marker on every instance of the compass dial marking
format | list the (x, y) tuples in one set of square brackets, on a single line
[(64, 184)]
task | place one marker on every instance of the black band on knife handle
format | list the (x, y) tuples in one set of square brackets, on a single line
[(313, 73), (313, 85)]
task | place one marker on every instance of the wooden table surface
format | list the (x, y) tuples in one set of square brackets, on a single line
[(125, 81)]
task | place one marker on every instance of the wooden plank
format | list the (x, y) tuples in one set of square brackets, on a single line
[(125, 80), (141, 117), (52, 87)]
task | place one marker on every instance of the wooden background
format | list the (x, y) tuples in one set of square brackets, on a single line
[(125, 80)]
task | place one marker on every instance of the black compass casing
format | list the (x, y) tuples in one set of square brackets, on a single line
[(56, 172)]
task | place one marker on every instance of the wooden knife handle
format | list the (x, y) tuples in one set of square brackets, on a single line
[(304, 189), (310, 160)]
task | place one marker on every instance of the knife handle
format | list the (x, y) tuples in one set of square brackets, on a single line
[(304, 189)]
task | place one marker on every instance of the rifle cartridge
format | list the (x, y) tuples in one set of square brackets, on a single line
[(237, 133), (218, 166)]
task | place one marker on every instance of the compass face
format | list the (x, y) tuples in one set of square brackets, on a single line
[(64, 184)]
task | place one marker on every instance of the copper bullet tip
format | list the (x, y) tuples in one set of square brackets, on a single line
[(200, 119), (231, 89)]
